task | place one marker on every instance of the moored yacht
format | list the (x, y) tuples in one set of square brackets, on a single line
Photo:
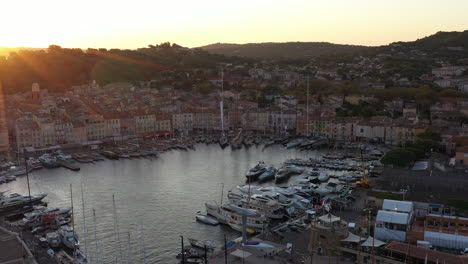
[(264, 206), (254, 172), (15, 200), (226, 213), (267, 175), (69, 237)]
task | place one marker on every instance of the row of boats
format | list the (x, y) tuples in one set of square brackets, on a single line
[(264, 204), (52, 226)]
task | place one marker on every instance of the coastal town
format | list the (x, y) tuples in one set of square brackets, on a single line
[(352, 160)]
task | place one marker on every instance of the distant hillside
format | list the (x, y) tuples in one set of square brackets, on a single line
[(4, 51), (58, 68), (292, 50), (443, 40)]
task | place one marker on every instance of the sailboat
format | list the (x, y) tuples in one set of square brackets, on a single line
[(223, 141)]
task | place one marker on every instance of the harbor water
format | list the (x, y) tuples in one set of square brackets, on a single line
[(156, 199)]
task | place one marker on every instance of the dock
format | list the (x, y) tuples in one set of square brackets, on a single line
[(69, 165)]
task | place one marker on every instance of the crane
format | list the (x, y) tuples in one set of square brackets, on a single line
[(364, 182)]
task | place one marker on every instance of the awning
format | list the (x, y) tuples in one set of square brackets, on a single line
[(372, 241), (329, 218), (240, 253), (353, 238)]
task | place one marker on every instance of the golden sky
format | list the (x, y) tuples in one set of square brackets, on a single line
[(192, 23)]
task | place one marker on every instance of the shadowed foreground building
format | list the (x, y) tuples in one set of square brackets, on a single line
[(13, 250)]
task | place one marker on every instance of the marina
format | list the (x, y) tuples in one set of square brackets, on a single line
[(149, 190)]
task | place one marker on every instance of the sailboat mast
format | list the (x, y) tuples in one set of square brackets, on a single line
[(116, 227), (84, 221), (72, 215), (95, 236), (307, 113), (222, 190), (221, 104), (142, 242), (129, 249), (27, 175)]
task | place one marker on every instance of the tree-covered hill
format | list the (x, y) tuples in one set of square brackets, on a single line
[(59, 68), (281, 50)]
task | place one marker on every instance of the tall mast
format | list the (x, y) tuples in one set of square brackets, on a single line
[(72, 215), (27, 175), (142, 240), (95, 236), (84, 221), (222, 190), (307, 114), (129, 249), (221, 104), (116, 227)]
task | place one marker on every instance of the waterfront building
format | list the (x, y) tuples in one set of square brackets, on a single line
[(4, 137), (112, 125), (28, 134), (394, 220), (182, 121), (145, 122)]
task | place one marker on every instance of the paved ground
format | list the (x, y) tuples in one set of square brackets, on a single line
[(11, 249), (431, 185), (31, 241)]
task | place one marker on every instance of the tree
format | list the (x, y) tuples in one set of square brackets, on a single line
[(399, 157), (449, 92), (205, 88)]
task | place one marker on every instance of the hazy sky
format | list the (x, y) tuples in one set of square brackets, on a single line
[(191, 23)]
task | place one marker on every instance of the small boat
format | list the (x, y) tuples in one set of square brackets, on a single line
[(267, 175), (53, 239), (323, 176), (294, 143), (109, 154), (201, 244), (79, 257), (282, 175), (10, 178), (347, 178), (257, 140), (69, 237), (207, 219), (189, 253), (259, 245), (223, 142), (295, 169), (63, 258), (254, 172), (238, 227)]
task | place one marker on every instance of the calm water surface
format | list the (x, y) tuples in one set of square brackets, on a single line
[(156, 199)]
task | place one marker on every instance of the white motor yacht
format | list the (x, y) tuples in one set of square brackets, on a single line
[(263, 205), (226, 213)]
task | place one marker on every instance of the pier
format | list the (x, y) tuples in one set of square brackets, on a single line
[(69, 165)]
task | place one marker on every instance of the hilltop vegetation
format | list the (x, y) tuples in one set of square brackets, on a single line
[(292, 50), (58, 68), (4, 51)]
